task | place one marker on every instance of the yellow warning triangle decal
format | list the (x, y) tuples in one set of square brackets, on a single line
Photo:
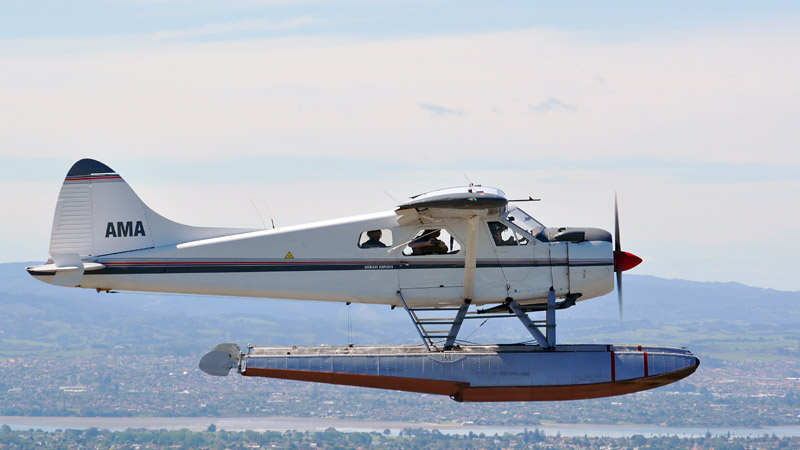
[(289, 256)]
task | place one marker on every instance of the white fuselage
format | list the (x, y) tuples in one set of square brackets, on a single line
[(323, 261)]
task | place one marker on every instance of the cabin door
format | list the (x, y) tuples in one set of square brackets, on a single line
[(432, 268)]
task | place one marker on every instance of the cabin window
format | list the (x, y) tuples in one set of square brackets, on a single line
[(504, 236), (432, 241), (375, 239)]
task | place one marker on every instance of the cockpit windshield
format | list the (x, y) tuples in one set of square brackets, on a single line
[(521, 219)]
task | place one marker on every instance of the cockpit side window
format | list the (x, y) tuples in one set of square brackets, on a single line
[(432, 242), (505, 236), (375, 239)]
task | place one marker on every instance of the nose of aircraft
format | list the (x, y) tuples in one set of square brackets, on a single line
[(625, 261)]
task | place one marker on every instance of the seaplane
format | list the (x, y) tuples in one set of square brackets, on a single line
[(462, 253)]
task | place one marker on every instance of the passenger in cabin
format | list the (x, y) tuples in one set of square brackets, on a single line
[(428, 243), (497, 230), (374, 240)]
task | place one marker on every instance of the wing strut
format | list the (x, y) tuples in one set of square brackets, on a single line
[(470, 262), (470, 258)]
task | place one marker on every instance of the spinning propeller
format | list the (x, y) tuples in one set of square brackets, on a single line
[(622, 260)]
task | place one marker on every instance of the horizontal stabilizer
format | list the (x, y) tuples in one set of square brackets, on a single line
[(52, 268), (67, 268)]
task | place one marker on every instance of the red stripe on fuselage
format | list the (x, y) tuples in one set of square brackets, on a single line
[(168, 263)]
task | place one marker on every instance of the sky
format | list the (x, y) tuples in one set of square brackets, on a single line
[(317, 109)]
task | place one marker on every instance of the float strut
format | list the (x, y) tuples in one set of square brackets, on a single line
[(415, 320), (532, 329), (451, 336)]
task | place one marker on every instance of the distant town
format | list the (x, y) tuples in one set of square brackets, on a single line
[(135, 357)]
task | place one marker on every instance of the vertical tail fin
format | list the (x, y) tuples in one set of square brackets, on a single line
[(99, 214)]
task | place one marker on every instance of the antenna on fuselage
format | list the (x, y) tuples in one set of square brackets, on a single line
[(471, 184), (396, 201), (269, 211), (259, 213)]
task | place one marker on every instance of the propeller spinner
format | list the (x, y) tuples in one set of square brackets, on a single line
[(622, 260)]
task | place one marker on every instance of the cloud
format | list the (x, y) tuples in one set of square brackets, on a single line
[(552, 104), (599, 79), (441, 110), (311, 95)]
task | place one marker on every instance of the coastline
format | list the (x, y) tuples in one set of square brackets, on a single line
[(314, 424)]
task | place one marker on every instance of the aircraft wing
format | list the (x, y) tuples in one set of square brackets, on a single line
[(460, 202)]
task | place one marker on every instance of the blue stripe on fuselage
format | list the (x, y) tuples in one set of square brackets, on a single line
[(175, 267)]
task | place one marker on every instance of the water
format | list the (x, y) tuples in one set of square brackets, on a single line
[(351, 425)]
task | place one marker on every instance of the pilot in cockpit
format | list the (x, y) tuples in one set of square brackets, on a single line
[(497, 230), (428, 243)]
